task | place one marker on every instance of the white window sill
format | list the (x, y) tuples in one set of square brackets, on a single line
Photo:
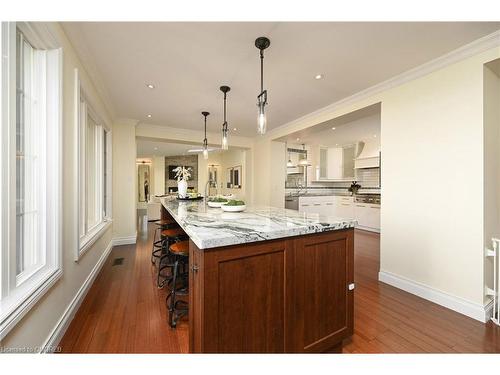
[(91, 237), (14, 308)]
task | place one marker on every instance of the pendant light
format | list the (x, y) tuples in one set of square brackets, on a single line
[(225, 142), (304, 162), (262, 43), (205, 142)]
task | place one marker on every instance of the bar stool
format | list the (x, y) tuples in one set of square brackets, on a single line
[(168, 237), (157, 244), (179, 285)]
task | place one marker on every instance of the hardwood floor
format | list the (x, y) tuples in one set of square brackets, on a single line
[(389, 320), (124, 312)]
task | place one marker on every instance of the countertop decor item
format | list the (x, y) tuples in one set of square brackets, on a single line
[(217, 202), (354, 187), (234, 206), (182, 174), (189, 198)]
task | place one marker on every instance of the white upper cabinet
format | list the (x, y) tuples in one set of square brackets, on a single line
[(323, 162), (335, 163)]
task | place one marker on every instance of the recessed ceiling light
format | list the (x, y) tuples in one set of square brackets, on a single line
[(333, 128), (336, 144), (318, 76), (298, 139), (150, 115), (156, 148), (374, 135), (234, 129), (150, 86)]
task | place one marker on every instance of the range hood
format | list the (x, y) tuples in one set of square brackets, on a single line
[(369, 157)]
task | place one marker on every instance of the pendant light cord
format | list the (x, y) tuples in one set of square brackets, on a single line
[(225, 122), (261, 70), (205, 128)]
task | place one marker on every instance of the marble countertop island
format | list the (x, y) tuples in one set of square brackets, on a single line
[(211, 227)]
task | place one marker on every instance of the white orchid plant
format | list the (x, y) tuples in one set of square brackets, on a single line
[(182, 173)]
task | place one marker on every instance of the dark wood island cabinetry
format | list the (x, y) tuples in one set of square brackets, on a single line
[(286, 295)]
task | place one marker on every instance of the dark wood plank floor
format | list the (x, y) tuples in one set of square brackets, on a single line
[(124, 312), (389, 320)]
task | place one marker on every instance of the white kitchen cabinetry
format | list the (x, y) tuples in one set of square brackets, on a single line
[(334, 163), (317, 205), (367, 214), (344, 207)]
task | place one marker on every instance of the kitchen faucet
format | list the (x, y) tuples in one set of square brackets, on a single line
[(209, 181)]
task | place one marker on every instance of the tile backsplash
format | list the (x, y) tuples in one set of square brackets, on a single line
[(369, 177)]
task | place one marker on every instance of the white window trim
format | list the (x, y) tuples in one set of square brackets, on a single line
[(83, 244), (24, 298)]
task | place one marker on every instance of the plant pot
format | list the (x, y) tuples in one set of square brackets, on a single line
[(182, 187)]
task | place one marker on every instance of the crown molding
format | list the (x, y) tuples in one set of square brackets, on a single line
[(476, 47)]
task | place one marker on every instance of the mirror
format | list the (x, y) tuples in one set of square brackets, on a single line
[(144, 181)]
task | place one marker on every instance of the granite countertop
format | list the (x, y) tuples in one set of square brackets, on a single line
[(211, 227)]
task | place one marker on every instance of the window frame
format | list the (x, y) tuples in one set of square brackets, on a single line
[(85, 242), (16, 297)]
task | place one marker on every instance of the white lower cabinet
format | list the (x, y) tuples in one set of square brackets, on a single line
[(367, 215)]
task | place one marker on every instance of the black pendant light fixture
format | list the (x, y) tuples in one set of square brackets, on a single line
[(205, 141), (225, 144), (262, 43)]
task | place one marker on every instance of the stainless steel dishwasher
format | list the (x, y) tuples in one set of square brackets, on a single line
[(292, 203)]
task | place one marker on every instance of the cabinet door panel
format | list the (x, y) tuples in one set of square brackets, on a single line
[(244, 300), (326, 271), (258, 304)]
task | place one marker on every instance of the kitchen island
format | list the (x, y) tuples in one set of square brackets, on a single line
[(267, 279)]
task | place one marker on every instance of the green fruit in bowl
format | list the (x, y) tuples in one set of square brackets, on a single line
[(217, 200), (234, 202)]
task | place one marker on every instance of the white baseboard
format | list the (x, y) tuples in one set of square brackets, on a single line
[(117, 241), (472, 310), (62, 325)]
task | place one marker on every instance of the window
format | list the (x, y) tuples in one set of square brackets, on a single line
[(94, 164), (30, 142)]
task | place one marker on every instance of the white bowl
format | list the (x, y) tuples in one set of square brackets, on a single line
[(227, 208), (215, 204)]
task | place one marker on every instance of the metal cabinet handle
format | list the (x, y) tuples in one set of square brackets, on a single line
[(195, 268)]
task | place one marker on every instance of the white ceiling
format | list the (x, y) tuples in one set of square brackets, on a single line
[(187, 62), (149, 148), (361, 125)]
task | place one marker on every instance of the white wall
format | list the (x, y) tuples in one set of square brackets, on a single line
[(491, 137), (158, 175), (224, 160), (432, 181), (124, 180), (45, 321), (432, 215)]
